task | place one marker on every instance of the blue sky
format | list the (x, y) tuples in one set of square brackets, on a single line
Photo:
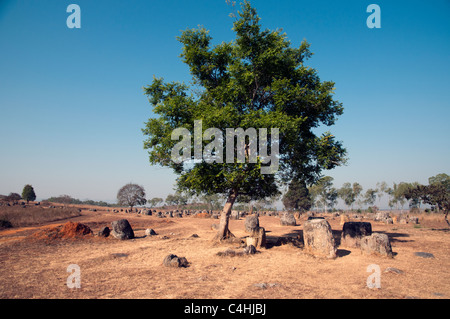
[(72, 105)]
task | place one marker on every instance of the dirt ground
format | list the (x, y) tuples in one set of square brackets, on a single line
[(33, 267)]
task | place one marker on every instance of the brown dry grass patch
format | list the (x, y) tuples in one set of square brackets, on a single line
[(19, 216), (111, 268)]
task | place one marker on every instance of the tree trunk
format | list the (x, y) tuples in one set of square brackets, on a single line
[(445, 217), (223, 232)]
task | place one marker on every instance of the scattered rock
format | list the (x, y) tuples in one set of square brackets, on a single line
[(104, 232), (394, 270), (352, 232), (383, 217), (250, 250), (227, 253), (194, 236), (121, 229), (376, 243), (261, 285), (172, 260), (5, 224), (423, 254), (318, 238), (150, 232), (380, 216), (264, 285), (287, 219)]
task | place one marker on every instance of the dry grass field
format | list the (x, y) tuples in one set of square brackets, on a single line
[(35, 266)]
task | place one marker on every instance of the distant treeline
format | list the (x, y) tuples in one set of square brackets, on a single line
[(66, 199)]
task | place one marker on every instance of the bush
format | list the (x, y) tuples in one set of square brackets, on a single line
[(372, 209), (5, 223)]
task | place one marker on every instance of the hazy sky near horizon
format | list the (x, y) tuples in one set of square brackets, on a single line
[(72, 105)]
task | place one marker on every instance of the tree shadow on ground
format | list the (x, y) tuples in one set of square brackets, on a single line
[(337, 236), (295, 238), (393, 237), (441, 229), (343, 252)]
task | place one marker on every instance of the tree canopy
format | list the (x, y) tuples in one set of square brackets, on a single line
[(131, 195), (297, 197), (256, 81), (28, 193), (323, 192)]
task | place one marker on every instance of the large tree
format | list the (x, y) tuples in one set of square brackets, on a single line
[(28, 193), (297, 196), (437, 193), (256, 81), (131, 195)]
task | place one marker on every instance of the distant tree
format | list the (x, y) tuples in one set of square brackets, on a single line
[(390, 192), (28, 193), (171, 199), (399, 192), (370, 196), (297, 196), (67, 199), (213, 201), (155, 201), (63, 199), (381, 190), (442, 178), (265, 203), (324, 192), (131, 195), (332, 198), (349, 193), (437, 193), (346, 194), (177, 199), (413, 193), (14, 197)]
